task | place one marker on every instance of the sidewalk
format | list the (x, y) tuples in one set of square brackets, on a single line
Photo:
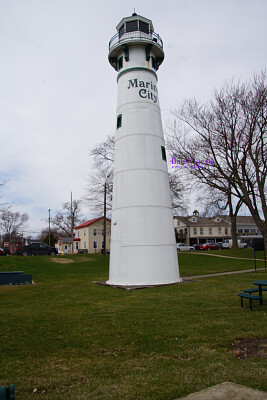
[(190, 278)]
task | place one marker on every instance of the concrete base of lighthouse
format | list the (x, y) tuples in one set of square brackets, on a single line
[(135, 287)]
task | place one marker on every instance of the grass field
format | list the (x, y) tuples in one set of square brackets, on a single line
[(66, 338)]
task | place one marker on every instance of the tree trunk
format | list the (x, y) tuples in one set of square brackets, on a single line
[(233, 215), (233, 227)]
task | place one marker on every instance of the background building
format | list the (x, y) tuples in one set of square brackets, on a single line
[(194, 229), (90, 236)]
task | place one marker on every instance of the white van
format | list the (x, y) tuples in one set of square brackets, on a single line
[(228, 243)]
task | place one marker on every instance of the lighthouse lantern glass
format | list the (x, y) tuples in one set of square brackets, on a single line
[(143, 27), (131, 26)]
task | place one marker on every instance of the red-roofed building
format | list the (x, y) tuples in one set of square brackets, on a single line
[(90, 236)]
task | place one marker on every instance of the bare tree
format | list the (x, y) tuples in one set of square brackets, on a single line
[(102, 175), (224, 144), (3, 206), (103, 161), (68, 217), (12, 223)]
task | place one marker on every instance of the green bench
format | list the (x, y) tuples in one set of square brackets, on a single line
[(250, 297), (7, 393), (254, 290)]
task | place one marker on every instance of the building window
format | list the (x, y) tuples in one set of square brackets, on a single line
[(185, 231), (163, 153), (94, 232), (84, 232), (178, 223), (194, 219), (201, 231), (77, 245), (219, 231), (226, 231), (195, 231), (95, 244), (120, 63), (102, 245), (119, 121), (78, 234), (84, 245), (210, 231)]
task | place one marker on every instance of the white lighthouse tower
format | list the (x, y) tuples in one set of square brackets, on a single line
[(143, 247)]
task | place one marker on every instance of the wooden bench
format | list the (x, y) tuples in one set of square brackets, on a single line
[(250, 297)]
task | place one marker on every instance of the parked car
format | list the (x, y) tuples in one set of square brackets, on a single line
[(4, 251), (208, 246), (197, 246), (240, 243), (219, 245), (36, 249), (184, 247)]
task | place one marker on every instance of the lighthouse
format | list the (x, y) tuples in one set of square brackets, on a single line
[(143, 247)]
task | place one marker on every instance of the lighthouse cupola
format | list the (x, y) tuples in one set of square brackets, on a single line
[(132, 31)]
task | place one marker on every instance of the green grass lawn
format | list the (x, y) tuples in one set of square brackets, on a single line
[(66, 338), (201, 263)]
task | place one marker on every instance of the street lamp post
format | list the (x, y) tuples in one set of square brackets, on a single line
[(49, 240)]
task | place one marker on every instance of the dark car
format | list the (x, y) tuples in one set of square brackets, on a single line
[(197, 246), (4, 251), (37, 249), (208, 246)]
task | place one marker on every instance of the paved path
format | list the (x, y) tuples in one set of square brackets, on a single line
[(189, 278), (219, 255)]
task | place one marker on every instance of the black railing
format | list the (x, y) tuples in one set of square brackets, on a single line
[(120, 37)]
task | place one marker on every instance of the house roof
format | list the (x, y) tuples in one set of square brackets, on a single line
[(211, 221), (90, 222), (201, 221), (240, 219), (64, 240)]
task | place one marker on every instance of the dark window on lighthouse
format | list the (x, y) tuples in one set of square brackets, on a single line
[(143, 27), (163, 153), (121, 31), (154, 63), (131, 26), (120, 63), (119, 120)]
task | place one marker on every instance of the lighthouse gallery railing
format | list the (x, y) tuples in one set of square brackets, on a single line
[(121, 37)]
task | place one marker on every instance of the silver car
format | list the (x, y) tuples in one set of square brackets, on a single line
[(184, 247)]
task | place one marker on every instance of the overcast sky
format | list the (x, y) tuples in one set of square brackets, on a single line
[(58, 91)]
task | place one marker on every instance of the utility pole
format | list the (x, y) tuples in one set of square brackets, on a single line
[(105, 217), (49, 227), (72, 222)]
